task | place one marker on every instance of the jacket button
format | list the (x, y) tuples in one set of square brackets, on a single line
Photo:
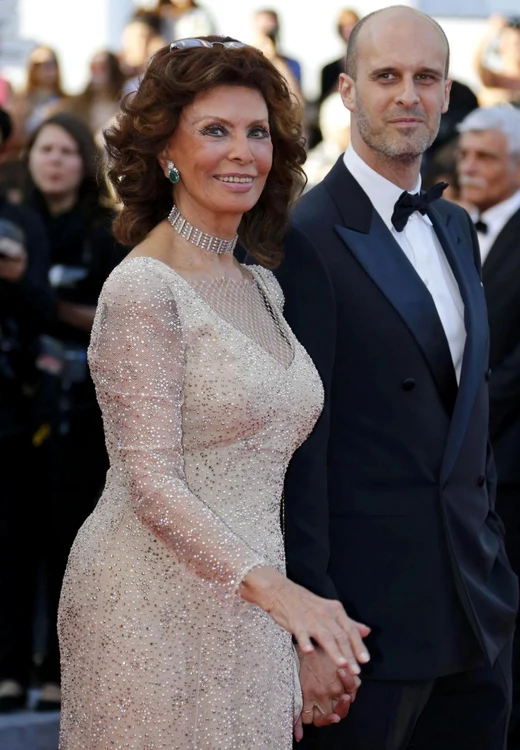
[(481, 480), (488, 373), (408, 384)]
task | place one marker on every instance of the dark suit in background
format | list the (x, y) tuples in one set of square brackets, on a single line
[(390, 502), (501, 276), (329, 77)]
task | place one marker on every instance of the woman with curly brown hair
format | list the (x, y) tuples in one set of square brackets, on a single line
[(176, 615)]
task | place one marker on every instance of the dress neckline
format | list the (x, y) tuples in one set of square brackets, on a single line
[(255, 280)]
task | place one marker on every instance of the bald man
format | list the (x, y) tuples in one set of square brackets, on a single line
[(390, 502)]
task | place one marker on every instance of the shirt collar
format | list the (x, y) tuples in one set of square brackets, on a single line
[(497, 216), (383, 193)]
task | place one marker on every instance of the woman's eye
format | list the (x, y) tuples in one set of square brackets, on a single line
[(215, 130), (259, 132)]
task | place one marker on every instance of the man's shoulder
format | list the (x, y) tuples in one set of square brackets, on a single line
[(317, 196), (513, 221)]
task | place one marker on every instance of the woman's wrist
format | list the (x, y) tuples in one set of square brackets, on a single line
[(261, 585)]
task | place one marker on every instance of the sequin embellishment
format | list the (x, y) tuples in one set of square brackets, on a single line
[(205, 395)]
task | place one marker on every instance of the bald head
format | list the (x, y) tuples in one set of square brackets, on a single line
[(385, 22)]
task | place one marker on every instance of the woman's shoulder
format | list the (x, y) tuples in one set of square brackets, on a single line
[(138, 280)]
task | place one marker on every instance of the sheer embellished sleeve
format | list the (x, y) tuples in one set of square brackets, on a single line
[(137, 357)]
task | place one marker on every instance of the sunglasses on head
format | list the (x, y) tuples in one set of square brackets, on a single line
[(192, 43)]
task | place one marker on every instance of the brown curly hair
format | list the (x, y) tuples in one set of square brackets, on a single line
[(172, 80)]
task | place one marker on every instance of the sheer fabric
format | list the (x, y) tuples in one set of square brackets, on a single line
[(205, 395)]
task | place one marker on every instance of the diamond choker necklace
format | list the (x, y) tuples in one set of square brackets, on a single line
[(199, 238)]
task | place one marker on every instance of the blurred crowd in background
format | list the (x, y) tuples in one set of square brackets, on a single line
[(56, 250)]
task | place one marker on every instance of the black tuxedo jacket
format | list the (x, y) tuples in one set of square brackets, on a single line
[(501, 276), (390, 502)]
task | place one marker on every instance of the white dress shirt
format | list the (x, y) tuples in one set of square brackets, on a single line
[(496, 218), (422, 248)]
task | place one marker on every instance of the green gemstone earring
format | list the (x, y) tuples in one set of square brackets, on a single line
[(173, 173)]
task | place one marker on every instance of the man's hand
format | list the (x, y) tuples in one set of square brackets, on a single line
[(328, 692)]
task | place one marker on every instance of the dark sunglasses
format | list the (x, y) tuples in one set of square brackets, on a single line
[(192, 43)]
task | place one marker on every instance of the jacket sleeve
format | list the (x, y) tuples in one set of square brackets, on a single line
[(310, 311)]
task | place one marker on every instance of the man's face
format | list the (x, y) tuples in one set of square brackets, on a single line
[(488, 173), (400, 89)]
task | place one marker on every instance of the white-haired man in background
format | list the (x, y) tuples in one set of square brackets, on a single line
[(489, 172)]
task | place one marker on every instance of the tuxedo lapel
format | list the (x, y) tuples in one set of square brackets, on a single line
[(366, 236), (368, 239), (460, 258)]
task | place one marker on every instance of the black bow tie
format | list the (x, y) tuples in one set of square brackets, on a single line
[(481, 226), (407, 203)]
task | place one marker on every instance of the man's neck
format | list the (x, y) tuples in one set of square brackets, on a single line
[(403, 174)]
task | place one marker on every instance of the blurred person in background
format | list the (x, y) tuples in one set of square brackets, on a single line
[(489, 172), (329, 76), (266, 22), (26, 307), (181, 19), (141, 38), (497, 61), (64, 190), (42, 96), (6, 92), (442, 167), (334, 123), (99, 101), (266, 29), (463, 100)]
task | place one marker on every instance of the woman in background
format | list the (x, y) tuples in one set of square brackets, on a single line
[(42, 95), (98, 103), (62, 161)]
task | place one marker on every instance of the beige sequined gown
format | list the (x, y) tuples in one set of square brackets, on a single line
[(205, 395)]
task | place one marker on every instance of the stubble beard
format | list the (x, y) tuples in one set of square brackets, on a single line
[(399, 149)]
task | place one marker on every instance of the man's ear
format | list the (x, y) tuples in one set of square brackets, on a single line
[(447, 89), (347, 90)]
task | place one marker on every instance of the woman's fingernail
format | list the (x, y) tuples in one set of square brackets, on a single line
[(365, 656), (355, 669)]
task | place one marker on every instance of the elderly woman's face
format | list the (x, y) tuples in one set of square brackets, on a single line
[(222, 148)]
